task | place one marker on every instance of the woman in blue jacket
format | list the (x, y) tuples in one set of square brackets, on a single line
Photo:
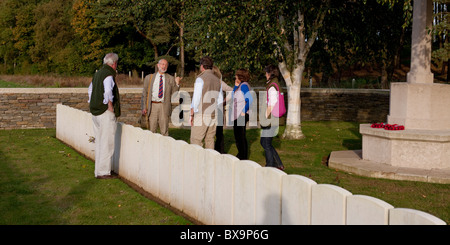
[(241, 101)]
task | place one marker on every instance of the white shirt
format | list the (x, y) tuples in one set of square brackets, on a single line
[(155, 89), (273, 96), (108, 85), (197, 96)]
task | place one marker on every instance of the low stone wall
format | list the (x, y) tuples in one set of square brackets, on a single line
[(219, 189), (36, 107), (353, 105)]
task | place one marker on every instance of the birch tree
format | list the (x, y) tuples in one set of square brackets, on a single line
[(250, 34), (299, 23)]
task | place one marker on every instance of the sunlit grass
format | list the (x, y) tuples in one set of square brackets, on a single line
[(44, 182)]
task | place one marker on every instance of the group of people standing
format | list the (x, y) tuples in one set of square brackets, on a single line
[(104, 104)]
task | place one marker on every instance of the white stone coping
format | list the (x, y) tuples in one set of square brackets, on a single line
[(209, 186)]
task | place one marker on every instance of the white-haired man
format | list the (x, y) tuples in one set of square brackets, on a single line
[(156, 98), (104, 104)]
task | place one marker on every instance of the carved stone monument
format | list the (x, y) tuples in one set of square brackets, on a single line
[(422, 107)]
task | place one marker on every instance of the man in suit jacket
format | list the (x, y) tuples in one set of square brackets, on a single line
[(156, 98)]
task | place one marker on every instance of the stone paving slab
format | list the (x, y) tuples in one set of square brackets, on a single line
[(352, 162)]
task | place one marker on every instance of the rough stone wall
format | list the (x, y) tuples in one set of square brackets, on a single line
[(36, 107), (345, 105)]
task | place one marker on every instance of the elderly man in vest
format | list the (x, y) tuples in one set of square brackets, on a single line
[(104, 104), (156, 100), (204, 105)]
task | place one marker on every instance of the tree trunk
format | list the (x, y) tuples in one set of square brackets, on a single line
[(293, 82), (384, 76), (448, 70), (182, 50), (300, 48), (180, 25), (155, 49)]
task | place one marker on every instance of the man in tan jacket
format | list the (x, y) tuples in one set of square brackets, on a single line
[(156, 101)]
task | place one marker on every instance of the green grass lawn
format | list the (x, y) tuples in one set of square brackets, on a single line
[(5, 84), (42, 181)]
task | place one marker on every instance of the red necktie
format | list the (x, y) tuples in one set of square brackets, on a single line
[(160, 94)]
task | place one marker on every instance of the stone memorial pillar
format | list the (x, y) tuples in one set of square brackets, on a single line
[(421, 151), (420, 71), (419, 103), (421, 106)]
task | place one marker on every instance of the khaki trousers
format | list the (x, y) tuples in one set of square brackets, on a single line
[(105, 131), (206, 130), (158, 118)]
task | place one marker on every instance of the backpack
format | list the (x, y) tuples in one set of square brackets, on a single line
[(279, 109)]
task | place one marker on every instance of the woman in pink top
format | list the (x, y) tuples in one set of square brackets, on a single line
[(268, 132)]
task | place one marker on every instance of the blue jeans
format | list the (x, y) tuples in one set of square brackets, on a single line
[(272, 158)]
